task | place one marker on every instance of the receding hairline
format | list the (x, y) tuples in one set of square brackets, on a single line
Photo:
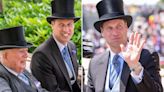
[(101, 24)]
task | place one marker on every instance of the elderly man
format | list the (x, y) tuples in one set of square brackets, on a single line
[(54, 63), (13, 55), (126, 67)]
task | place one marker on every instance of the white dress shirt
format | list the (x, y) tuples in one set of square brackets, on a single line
[(136, 78)]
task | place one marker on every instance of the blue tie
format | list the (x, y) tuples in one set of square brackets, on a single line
[(67, 58), (114, 70), (23, 78)]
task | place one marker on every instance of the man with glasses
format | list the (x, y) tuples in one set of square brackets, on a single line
[(54, 63), (126, 67)]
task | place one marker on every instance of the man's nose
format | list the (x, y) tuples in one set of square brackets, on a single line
[(25, 54), (115, 31), (66, 28)]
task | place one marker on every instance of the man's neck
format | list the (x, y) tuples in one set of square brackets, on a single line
[(115, 50), (59, 44)]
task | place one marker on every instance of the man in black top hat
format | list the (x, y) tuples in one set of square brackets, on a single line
[(126, 67), (54, 63), (13, 55)]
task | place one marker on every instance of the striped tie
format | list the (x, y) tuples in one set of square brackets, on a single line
[(114, 70), (67, 59)]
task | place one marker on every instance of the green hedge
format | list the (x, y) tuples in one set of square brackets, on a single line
[(32, 15)]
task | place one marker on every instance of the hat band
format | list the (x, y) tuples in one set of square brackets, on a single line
[(111, 15), (64, 15), (16, 43)]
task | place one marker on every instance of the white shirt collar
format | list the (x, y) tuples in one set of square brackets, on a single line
[(60, 45), (112, 54), (11, 71)]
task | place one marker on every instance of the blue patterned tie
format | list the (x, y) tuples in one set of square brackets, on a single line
[(114, 70), (67, 58), (23, 78)]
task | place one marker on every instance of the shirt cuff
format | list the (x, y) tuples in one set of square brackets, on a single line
[(137, 78)]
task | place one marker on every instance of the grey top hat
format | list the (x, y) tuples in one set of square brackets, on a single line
[(109, 10), (62, 9), (13, 38)]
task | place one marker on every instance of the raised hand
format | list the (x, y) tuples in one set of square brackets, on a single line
[(132, 51)]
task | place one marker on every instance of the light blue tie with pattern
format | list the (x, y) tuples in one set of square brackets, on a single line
[(23, 78), (67, 59), (114, 70)]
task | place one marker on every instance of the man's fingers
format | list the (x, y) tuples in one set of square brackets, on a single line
[(122, 48), (135, 38), (138, 40), (131, 38), (142, 43)]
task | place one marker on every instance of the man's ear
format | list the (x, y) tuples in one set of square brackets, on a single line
[(4, 54), (52, 23), (101, 29)]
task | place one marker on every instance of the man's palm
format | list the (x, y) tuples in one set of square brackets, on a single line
[(133, 49)]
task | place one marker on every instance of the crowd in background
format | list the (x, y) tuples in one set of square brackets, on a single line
[(147, 20)]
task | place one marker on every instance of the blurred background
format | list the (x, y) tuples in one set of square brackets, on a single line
[(148, 19), (32, 15)]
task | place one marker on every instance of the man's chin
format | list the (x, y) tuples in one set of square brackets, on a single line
[(21, 71), (66, 41)]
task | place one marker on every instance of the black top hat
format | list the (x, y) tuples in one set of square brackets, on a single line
[(62, 9), (111, 9), (13, 38)]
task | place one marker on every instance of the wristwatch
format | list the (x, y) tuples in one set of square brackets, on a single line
[(136, 67)]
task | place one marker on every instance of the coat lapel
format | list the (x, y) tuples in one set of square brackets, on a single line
[(58, 58), (102, 70), (124, 77), (30, 78)]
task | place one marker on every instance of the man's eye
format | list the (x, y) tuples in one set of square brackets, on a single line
[(119, 27)]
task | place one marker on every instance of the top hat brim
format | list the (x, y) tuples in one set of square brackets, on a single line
[(50, 18), (15, 46), (127, 18)]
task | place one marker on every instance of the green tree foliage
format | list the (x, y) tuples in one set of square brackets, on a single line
[(32, 15), (162, 1)]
